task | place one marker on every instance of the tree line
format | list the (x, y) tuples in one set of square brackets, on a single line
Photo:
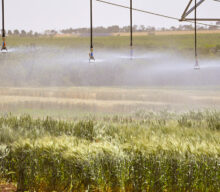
[(110, 29)]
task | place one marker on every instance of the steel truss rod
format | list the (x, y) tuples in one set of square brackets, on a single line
[(184, 13), (193, 8), (187, 12), (151, 13)]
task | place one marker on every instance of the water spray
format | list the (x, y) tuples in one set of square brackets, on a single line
[(91, 54), (3, 28)]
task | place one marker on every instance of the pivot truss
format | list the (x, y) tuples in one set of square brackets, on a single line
[(187, 11)]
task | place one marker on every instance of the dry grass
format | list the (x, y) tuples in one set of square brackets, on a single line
[(168, 33), (108, 99)]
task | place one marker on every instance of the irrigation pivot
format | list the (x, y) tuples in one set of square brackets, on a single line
[(3, 28), (91, 54)]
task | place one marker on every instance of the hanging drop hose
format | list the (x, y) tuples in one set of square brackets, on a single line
[(91, 54), (131, 29), (196, 52), (3, 28), (131, 23)]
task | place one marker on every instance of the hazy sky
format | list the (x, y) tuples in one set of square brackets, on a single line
[(39, 15)]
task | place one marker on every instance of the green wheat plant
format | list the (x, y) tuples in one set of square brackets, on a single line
[(145, 152)]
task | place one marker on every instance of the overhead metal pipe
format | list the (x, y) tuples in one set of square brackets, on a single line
[(3, 27)]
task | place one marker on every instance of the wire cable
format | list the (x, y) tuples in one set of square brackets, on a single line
[(155, 14)]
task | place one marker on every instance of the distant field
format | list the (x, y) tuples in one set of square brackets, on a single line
[(168, 33), (177, 41)]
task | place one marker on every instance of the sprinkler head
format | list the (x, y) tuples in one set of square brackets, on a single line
[(197, 67), (91, 55), (4, 48)]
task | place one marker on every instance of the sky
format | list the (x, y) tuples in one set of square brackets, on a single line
[(39, 15)]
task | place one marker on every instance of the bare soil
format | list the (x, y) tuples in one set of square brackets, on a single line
[(7, 188)]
